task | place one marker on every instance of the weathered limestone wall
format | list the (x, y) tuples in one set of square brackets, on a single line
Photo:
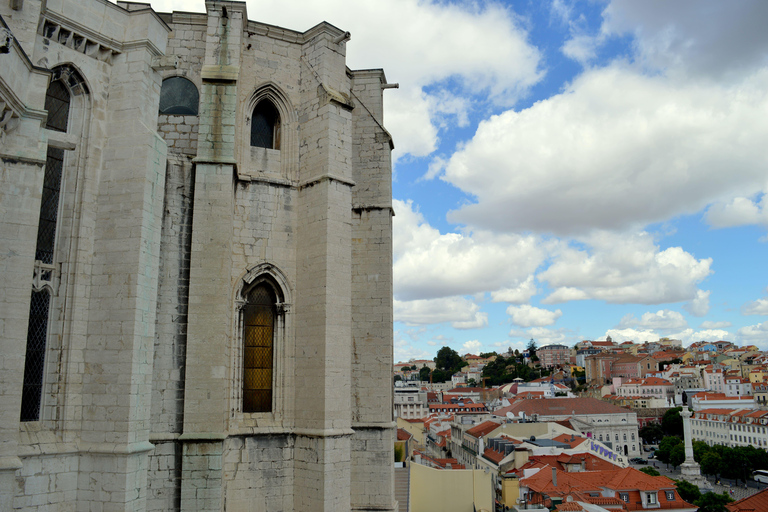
[(164, 219), (22, 161), (258, 471), (324, 280), (372, 471)]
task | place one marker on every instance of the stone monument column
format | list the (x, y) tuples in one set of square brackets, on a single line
[(690, 470)]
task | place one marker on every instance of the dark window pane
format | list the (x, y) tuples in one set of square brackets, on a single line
[(37, 332), (49, 205), (57, 105), (179, 97), (265, 126)]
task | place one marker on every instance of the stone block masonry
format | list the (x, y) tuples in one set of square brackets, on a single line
[(218, 331)]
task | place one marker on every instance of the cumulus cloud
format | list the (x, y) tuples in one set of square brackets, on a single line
[(429, 264), (693, 38), (757, 307), (738, 211), (629, 334), (616, 149), (471, 347), (715, 325), (662, 320), (530, 316), (689, 336), (623, 269), (699, 306), (517, 295), (755, 334), (461, 313)]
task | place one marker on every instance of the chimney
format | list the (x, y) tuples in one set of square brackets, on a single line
[(554, 477)]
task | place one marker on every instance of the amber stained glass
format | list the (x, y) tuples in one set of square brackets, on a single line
[(258, 327)]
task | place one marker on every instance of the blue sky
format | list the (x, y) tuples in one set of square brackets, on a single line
[(567, 170)]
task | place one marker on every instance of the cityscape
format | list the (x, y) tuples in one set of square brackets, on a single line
[(601, 425)]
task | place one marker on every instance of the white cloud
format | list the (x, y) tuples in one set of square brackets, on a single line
[(623, 269), (615, 150), (738, 211), (757, 307), (530, 316), (429, 264), (471, 347), (699, 306), (461, 313), (629, 334), (755, 334), (662, 320), (541, 335), (694, 38), (715, 325), (689, 336), (517, 295)]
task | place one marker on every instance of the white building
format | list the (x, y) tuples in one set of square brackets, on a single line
[(731, 427)]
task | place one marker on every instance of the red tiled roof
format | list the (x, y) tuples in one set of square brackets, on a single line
[(570, 506), (493, 456), (403, 435), (755, 503), (560, 407), (483, 429)]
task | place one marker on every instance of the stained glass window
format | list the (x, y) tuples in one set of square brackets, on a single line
[(258, 336)]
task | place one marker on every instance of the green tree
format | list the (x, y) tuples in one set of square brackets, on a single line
[(397, 378), (687, 491), (532, 350), (424, 373), (650, 471), (651, 433), (672, 422), (440, 375), (664, 452), (448, 360), (711, 502), (700, 449), (711, 463), (471, 383), (677, 455)]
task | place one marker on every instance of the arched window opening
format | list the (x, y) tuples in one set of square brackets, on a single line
[(265, 126), (57, 104), (258, 343), (179, 97), (65, 103)]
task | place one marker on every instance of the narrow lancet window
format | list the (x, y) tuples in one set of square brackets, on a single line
[(258, 344)]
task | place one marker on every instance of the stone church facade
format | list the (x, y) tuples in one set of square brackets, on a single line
[(196, 254)]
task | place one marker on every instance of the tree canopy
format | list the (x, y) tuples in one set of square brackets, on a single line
[(448, 360), (711, 502), (672, 422), (652, 433)]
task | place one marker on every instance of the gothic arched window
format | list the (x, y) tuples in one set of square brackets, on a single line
[(265, 126), (179, 97), (258, 346), (57, 104)]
